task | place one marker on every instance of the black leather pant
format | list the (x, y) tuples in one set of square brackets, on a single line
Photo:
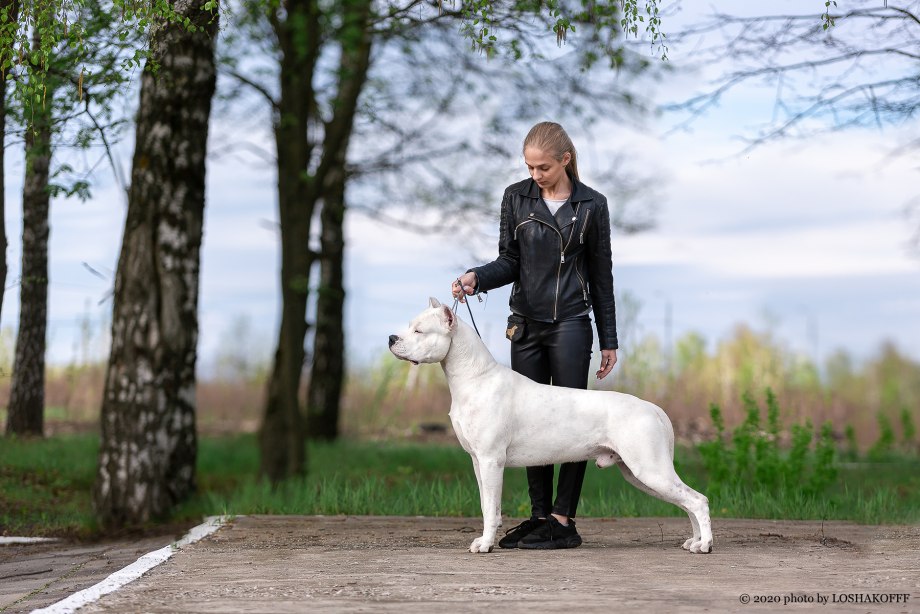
[(557, 353)]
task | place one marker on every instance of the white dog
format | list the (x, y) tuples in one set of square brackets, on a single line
[(503, 419)]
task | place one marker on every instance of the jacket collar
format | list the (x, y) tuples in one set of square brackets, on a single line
[(579, 191), (567, 213)]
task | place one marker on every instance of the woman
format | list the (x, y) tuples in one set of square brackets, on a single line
[(554, 246)]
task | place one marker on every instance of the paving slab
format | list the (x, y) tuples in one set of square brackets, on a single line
[(39, 574), (404, 564)]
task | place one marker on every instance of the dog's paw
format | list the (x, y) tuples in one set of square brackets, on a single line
[(701, 547), (686, 545), (480, 545)]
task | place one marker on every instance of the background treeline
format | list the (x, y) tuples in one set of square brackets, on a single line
[(866, 401)]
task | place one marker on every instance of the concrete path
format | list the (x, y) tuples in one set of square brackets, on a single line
[(398, 564), (36, 575)]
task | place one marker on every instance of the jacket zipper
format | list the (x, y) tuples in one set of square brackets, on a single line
[(561, 259), (581, 236), (521, 224), (584, 290), (571, 234)]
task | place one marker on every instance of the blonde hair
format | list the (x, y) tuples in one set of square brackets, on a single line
[(552, 139)]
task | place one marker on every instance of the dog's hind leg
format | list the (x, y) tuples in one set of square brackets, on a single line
[(489, 473), (666, 485), (629, 477)]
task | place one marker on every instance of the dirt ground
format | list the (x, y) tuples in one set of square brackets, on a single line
[(398, 564)]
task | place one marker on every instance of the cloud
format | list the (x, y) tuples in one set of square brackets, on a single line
[(841, 249)]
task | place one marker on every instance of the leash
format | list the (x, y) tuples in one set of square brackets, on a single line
[(470, 309)]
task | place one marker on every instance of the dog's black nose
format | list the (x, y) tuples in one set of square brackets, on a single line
[(393, 339)]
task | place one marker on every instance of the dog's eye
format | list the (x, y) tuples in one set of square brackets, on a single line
[(417, 332)]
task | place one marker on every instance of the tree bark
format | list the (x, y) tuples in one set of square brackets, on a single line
[(281, 438), (27, 392), (327, 373), (13, 11), (148, 447)]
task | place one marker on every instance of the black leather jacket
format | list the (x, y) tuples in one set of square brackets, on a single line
[(559, 271)]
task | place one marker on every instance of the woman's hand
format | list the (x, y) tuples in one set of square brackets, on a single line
[(608, 359), (469, 282)]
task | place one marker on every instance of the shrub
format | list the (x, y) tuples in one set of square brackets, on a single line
[(852, 450), (908, 430), (882, 448), (754, 459)]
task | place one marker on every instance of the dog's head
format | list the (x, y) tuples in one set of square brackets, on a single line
[(428, 337)]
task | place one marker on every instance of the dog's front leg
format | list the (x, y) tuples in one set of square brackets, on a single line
[(490, 473)]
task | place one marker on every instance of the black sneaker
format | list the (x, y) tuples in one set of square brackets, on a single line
[(551, 536), (514, 534)]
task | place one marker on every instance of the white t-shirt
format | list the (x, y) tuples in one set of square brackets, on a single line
[(554, 204)]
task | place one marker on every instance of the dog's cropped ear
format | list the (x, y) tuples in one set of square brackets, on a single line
[(433, 302), (449, 318)]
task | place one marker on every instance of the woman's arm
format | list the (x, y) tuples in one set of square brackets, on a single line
[(504, 269), (600, 277)]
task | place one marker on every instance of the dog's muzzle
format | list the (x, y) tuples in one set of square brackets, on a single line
[(394, 339)]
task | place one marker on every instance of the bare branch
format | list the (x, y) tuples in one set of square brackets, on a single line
[(849, 82), (258, 87)]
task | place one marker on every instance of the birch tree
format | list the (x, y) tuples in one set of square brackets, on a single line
[(9, 9), (27, 390), (148, 445), (62, 97)]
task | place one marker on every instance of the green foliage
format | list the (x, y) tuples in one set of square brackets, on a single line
[(632, 18), (852, 450), (34, 39), (749, 359), (714, 452), (884, 445), (480, 24), (755, 461), (825, 468), (827, 19), (63, 65), (908, 430)]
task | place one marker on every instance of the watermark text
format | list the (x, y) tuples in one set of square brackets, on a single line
[(823, 598)]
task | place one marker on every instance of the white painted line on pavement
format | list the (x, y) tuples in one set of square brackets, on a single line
[(9, 541), (133, 571)]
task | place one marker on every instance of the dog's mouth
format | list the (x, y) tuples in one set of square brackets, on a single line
[(414, 362)]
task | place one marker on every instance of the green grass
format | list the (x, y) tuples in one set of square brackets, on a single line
[(45, 486)]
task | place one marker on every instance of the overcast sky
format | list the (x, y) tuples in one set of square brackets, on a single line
[(809, 239)]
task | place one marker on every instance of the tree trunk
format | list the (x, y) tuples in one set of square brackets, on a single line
[(13, 10), (327, 374), (328, 370), (148, 448), (27, 391), (281, 438)]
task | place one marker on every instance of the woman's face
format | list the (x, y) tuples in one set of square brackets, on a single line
[(546, 170)]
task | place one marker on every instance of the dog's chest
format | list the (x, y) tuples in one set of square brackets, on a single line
[(464, 429)]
